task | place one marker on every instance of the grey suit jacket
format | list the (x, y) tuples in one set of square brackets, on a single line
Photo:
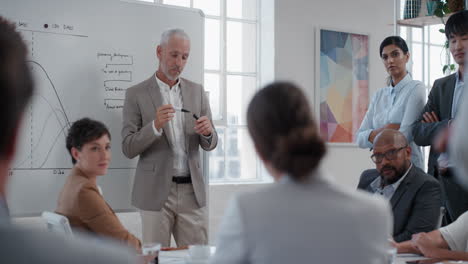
[(154, 171), (313, 222), (440, 101), (415, 203)]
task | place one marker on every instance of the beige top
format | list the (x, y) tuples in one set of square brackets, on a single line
[(456, 234), (86, 209)]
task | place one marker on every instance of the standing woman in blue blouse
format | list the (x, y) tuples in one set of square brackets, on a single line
[(399, 104)]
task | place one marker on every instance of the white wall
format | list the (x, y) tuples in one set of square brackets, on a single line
[(295, 23)]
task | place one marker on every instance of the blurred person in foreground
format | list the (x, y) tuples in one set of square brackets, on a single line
[(301, 217), (18, 245)]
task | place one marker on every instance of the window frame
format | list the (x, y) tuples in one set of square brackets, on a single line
[(223, 74)]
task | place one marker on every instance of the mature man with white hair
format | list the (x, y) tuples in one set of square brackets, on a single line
[(166, 119)]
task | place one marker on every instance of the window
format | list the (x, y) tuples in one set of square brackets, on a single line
[(232, 75), (426, 46), (427, 68)]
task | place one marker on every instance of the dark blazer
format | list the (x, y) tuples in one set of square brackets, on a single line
[(440, 101), (415, 203)]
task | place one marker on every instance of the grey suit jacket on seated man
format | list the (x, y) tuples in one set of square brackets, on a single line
[(154, 171), (415, 203)]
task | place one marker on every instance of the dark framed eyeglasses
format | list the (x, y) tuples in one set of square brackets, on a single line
[(390, 155)]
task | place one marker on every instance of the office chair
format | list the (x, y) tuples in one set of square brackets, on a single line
[(441, 217), (57, 223)]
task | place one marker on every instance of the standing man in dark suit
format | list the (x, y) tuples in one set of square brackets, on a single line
[(169, 188), (414, 195), (441, 108)]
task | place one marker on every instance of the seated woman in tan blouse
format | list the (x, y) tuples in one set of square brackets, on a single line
[(88, 143)]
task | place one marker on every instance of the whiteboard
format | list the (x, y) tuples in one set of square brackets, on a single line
[(84, 55)]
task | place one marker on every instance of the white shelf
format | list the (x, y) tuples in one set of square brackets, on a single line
[(422, 21)]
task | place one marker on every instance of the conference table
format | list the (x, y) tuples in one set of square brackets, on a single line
[(173, 257), (404, 258), (180, 257), (413, 258)]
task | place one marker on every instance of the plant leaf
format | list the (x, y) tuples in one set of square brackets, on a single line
[(444, 69), (446, 9), (442, 31), (438, 13)]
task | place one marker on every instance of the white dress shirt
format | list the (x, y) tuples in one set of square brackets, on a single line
[(401, 104), (444, 160), (173, 96), (457, 93), (388, 191)]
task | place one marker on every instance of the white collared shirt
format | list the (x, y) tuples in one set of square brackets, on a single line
[(389, 190), (443, 161), (400, 104), (172, 95), (457, 93)]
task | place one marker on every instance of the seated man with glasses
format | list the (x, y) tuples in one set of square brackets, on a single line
[(413, 194)]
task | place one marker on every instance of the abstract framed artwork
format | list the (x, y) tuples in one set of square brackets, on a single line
[(342, 88)]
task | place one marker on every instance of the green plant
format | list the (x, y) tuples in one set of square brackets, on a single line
[(448, 67), (441, 10)]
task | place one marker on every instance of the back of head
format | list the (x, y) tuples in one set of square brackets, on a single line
[(283, 130), (16, 86), (457, 24)]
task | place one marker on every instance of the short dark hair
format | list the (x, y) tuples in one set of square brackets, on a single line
[(457, 24), (284, 131), (394, 40), (16, 85), (84, 131)]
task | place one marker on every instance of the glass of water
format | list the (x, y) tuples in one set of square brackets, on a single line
[(150, 251), (390, 255)]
